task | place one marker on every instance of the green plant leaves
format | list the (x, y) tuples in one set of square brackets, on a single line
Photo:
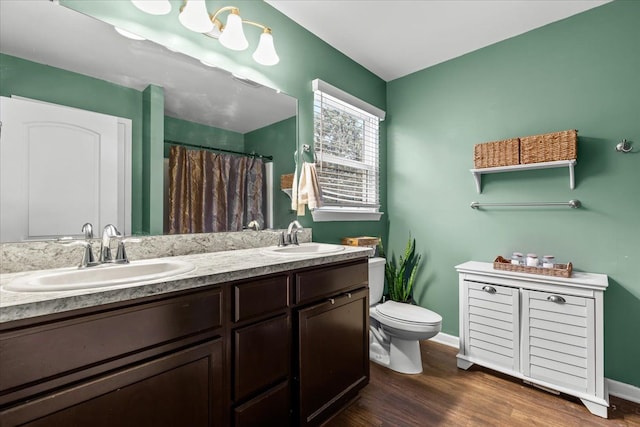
[(401, 278)]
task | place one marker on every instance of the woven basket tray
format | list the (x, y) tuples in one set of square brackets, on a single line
[(549, 147), (286, 181), (497, 153), (558, 270)]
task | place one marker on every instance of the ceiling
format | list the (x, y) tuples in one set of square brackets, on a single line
[(45, 32), (396, 38), (390, 38)]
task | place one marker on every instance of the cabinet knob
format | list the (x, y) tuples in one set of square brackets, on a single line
[(332, 301), (556, 298), (348, 294), (489, 289)]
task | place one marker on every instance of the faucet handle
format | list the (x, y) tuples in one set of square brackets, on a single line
[(281, 241), (121, 253), (88, 259)]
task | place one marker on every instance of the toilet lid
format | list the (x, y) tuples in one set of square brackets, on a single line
[(408, 313)]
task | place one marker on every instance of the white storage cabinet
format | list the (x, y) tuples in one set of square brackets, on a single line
[(545, 330)]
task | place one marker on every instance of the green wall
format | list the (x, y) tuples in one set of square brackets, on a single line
[(199, 134), (303, 57), (50, 84), (580, 73), (277, 140)]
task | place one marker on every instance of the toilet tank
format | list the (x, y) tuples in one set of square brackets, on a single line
[(376, 279)]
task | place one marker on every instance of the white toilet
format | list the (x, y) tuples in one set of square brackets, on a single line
[(396, 328)]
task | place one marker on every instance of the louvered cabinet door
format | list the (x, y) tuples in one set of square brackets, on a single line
[(491, 326), (558, 339)]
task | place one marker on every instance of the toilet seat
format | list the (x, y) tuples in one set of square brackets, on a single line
[(408, 314)]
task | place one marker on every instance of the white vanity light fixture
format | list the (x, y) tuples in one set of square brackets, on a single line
[(153, 7), (195, 17), (128, 34), (232, 35), (208, 64), (265, 53)]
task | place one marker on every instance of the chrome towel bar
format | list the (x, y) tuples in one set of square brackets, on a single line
[(571, 203)]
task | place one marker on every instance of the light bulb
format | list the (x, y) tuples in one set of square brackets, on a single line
[(128, 34), (232, 36), (153, 7), (265, 53), (194, 16)]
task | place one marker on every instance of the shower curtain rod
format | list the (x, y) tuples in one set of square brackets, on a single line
[(185, 144)]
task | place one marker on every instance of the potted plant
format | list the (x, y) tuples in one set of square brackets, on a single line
[(401, 276)]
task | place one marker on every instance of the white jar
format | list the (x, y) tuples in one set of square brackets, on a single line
[(532, 260), (516, 258), (548, 261)]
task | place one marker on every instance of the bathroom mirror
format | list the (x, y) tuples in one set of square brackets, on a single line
[(44, 32)]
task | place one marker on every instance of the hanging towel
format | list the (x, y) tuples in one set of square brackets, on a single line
[(308, 189)]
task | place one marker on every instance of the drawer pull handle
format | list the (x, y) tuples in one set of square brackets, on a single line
[(489, 289), (556, 298), (332, 301), (348, 294)]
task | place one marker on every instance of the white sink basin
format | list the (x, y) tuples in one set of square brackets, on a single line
[(306, 249), (100, 276)]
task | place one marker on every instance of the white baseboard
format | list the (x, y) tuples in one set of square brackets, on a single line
[(446, 339), (623, 390), (616, 388)]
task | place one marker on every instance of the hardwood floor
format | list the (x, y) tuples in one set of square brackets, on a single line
[(444, 395)]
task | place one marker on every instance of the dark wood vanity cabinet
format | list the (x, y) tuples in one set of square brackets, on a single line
[(278, 350), (156, 363), (332, 362), (181, 388), (261, 352)]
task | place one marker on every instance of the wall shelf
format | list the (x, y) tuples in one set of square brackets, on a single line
[(477, 173)]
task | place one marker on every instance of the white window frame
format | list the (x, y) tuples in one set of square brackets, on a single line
[(343, 213)]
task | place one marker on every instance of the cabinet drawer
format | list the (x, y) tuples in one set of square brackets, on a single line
[(558, 338), (36, 354), (260, 297), (328, 281), (183, 388), (261, 355), (267, 410), (492, 324)]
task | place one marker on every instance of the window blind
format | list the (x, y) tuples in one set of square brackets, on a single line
[(346, 144)]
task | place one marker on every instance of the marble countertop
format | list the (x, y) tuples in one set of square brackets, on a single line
[(211, 268)]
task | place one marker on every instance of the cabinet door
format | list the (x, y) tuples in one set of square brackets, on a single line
[(180, 389), (558, 339), (333, 354), (491, 325)]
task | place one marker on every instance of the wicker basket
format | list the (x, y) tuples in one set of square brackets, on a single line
[(286, 181), (371, 242), (558, 270), (497, 153), (549, 147)]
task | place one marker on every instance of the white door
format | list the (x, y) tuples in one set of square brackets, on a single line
[(59, 169)]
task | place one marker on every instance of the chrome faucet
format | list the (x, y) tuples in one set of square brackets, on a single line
[(292, 232), (108, 233), (88, 259), (87, 230)]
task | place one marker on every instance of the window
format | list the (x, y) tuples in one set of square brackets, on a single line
[(347, 147)]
